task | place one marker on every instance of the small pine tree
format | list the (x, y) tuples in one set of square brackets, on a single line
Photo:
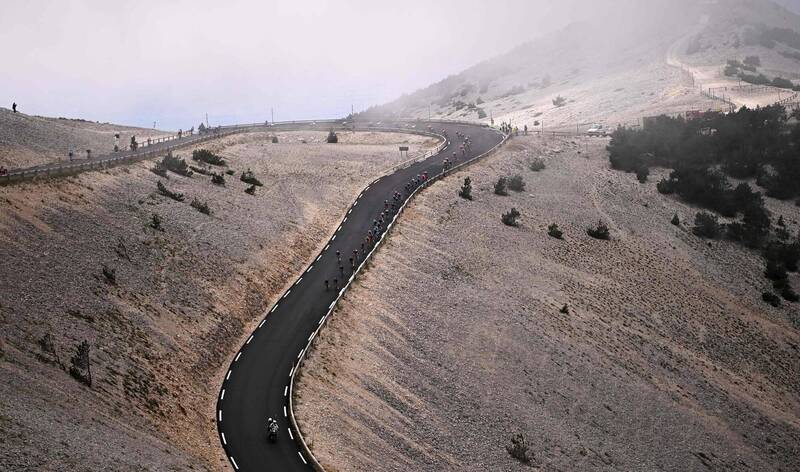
[(81, 368), (519, 449), (155, 222), (466, 189), (599, 232), (554, 231), (510, 218), (675, 220), (501, 186)]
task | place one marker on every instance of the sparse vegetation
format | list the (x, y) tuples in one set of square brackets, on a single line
[(110, 274), (159, 170), (250, 178), (251, 190), (202, 207), (332, 138), (275, 139), (516, 183), (204, 155), (81, 364), (48, 347), (155, 222), (518, 449), (510, 218), (481, 113), (218, 179), (675, 220), (176, 164), (564, 309), (201, 170), (559, 101), (554, 231), (771, 298), (642, 173), (501, 186), (536, 165), (706, 225), (466, 189), (230, 171), (163, 190), (599, 232)]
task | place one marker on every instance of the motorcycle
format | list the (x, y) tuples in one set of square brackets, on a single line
[(272, 431)]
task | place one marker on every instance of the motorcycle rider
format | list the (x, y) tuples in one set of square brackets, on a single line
[(272, 429)]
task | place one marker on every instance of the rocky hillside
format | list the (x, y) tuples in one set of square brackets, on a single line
[(27, 140), (619, 67), (159, 289)]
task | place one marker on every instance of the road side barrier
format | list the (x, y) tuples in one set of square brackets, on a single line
[(297, 366)]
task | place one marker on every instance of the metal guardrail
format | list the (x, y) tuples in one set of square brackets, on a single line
[(296, 367)]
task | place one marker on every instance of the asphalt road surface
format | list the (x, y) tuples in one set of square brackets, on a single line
[(256, 385)]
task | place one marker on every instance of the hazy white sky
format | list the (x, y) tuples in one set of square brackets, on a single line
[(136, 62)]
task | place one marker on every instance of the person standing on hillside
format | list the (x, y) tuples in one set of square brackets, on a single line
[(14, 107)]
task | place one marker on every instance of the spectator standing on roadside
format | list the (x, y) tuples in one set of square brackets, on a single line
[(14, 107)]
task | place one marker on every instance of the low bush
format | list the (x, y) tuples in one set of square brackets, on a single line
[(516, 183), (754, 61), (466, 189), (706, 225), (665, 186), (642, 173), (160, 170), (81, 368), (230, 171), (250, 178), (554, 231), (155, 222), (510, 218), (110, 274), (251, 190), (163, 190), (218, 179), (675, 220), (599, 232), (204, 155), (332, 138), (274, 139), (176, 164), (771, 298), (559, 101), (518, 449), (202, 207), (536, 165), (201, 170), (481, 113), (501, 186)]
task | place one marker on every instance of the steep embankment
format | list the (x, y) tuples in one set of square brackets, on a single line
[(455, 340), (181, 295), (27, 140)]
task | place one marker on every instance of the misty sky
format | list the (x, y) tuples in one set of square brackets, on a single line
[(136, 62)]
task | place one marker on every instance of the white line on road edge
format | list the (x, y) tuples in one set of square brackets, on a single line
[(274, 308), (238, 356), (285, 390), (227, 377), (319, 257), (333, 303), (334, 236), (350, 211), (309, 269), (301, 457), (287, 293), (222, 395), (284, 411), (249, 339), (345, 220), (291, 371), (223, 439), (291, 436), (299, 280), (299, 353), (262, 323), (233, 461), (356, 203), (219, 415)]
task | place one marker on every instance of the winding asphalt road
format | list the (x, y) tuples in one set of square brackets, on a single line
[(256, 385)]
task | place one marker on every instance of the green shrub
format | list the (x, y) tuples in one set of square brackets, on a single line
[(501, 186), (202, 207), (771, 298), (250, 178), (163, 190), (204, 155), (516, 183), (555, 232), (536, 165), (599, 232), (466, 189), (706, 225), (518, 449), (176, 164), (510, 218), (218, 179)]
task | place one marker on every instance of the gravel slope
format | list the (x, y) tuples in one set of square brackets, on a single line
[(454, 340), (183, 296)]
